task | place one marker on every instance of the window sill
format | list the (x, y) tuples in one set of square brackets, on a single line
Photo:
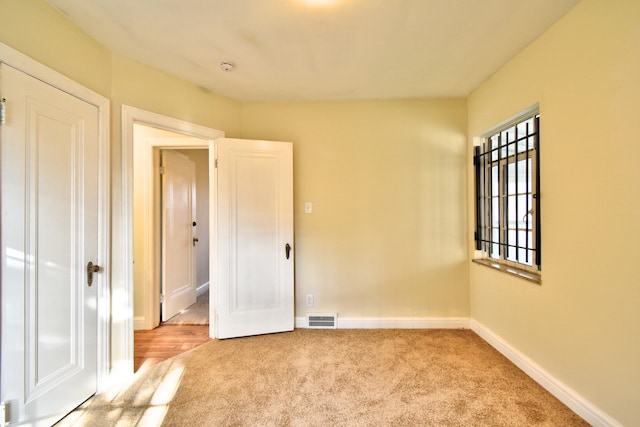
[(515, 271)]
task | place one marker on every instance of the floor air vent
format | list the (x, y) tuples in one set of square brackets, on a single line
[(322, 321)]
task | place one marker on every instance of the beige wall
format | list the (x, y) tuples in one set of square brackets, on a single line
[(149, 89), (40, 32), (387, 181), (581, 324)]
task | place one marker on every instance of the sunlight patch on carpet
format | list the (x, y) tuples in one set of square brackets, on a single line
[(153, 416), (167, 389)]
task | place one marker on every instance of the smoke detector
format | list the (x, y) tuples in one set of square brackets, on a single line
[(226, 66)]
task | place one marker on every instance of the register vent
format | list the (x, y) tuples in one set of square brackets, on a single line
[(322, 321)]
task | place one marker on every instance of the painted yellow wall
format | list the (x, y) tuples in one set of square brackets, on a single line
[(152, 90), (581, 324), (42, 33), (387, 180)]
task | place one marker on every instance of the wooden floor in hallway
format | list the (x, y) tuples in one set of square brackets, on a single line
[(165, 341)]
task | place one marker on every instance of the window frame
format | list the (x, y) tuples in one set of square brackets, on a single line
[(492, 152)]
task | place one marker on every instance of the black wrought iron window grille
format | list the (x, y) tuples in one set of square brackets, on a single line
[(507, 177)]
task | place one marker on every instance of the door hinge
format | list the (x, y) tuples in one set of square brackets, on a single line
[(3, 414), (215, 164), (3, 111), (161, 298), (162, 170)]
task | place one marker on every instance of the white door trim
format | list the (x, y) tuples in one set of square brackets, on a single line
[(130, 116), (41, 72)]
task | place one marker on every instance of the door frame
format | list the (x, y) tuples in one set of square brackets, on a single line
[(130, 116), (41, 72)]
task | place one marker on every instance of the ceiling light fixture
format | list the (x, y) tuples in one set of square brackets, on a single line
[(226, 66)]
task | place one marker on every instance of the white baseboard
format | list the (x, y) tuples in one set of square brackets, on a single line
[(139, 323), (202, 289), (395, 322), (589, 412)]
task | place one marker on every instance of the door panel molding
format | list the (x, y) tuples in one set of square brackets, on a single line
[(45, 373)]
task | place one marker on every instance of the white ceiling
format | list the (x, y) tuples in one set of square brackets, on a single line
[(286, 50)]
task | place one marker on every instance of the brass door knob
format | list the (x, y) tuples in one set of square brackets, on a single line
[(91, 268)]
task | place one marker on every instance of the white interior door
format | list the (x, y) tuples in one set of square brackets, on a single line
[(178, 219), (49, 225), (255, 237)]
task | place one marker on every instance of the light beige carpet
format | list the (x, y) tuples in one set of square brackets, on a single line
[(196, 314), (332, 378)]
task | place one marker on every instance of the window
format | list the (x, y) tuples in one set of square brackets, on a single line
[(507, 198)]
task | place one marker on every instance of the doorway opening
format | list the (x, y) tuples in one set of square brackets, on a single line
[(171, 213)]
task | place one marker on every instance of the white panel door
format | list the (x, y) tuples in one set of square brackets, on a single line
[(49, 235), (255, 237), (178, 219)]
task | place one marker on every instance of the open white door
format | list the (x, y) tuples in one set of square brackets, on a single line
[(255, 238), (178, 240), (49, 236)]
